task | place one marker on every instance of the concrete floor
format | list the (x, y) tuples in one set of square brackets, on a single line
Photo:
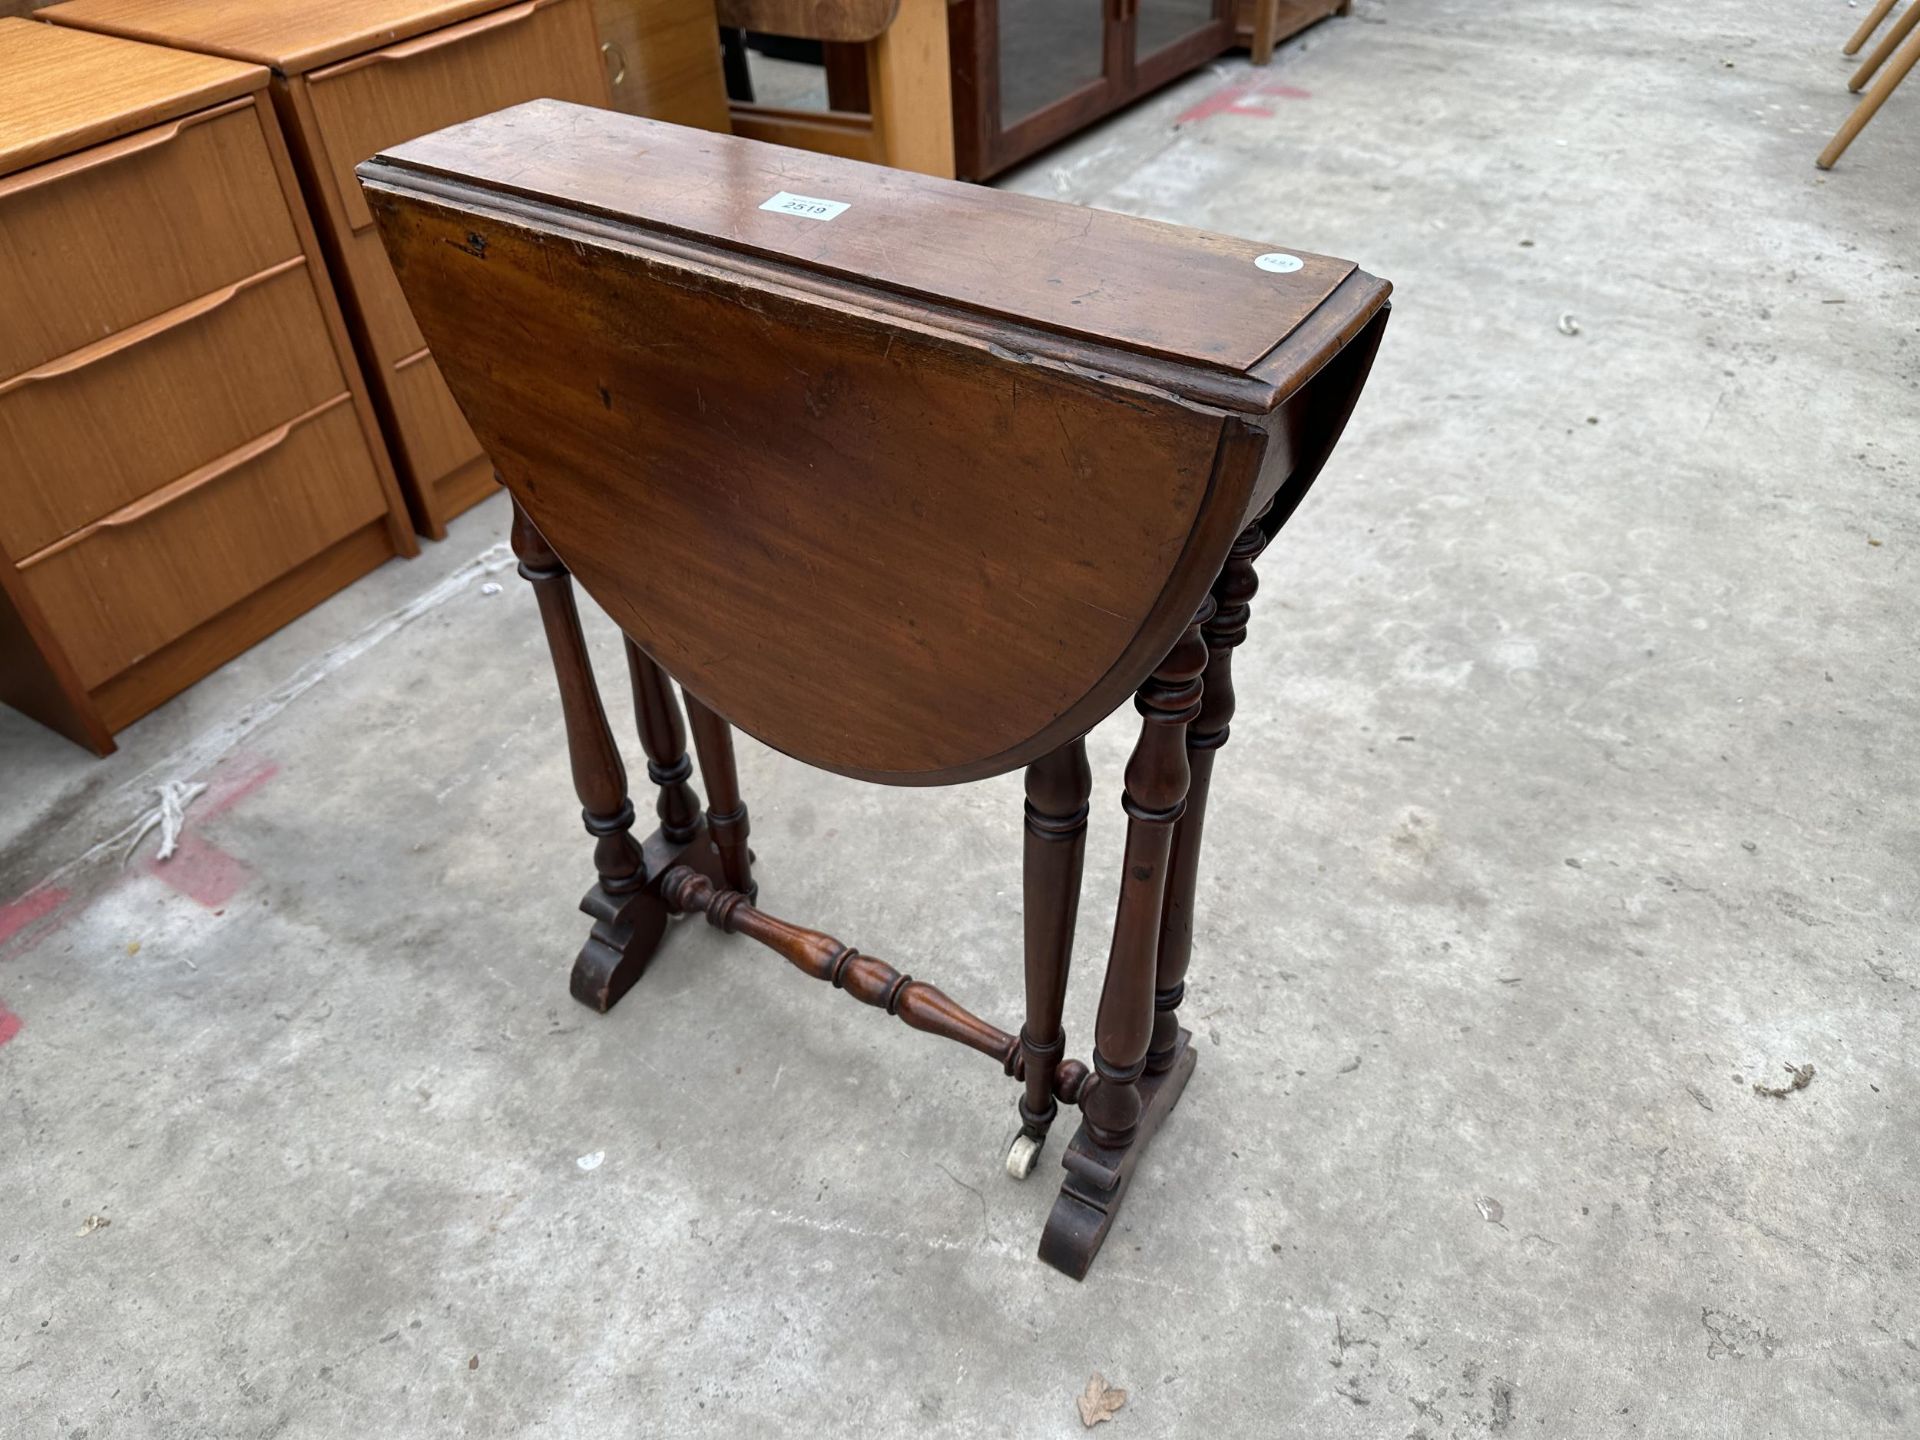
[(1573, 795)]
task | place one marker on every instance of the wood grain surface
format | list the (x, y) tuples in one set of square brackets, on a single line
[(663, 60), (844, 20), (61, 92), (290, 35), (886, 535), (1160, 289)]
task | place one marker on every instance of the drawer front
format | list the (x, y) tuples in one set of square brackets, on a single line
[(525, 51), (434, 434), (84, 435), (661, 62), (150, 573), (118, 234)]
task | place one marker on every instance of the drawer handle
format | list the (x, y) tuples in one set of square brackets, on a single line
[(194, 480), (451, 35), (115, 151), (138, 334), (616, 61)]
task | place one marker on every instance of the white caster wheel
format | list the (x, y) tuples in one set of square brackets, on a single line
[(1023, 1155)]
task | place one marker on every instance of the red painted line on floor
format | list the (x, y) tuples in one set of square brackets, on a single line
[(1238, 100), (202, 871), (1228, 100), (9, 1024), (35, 905), (232, 784)]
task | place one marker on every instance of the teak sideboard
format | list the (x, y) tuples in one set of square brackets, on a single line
[(351, 76), (915, 481), (188, 458)]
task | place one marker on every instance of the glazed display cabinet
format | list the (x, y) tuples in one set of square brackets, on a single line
[(1027, 73)]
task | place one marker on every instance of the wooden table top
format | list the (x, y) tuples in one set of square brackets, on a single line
[(62, 90), (916, 486), (293, 36), (1139, 285)]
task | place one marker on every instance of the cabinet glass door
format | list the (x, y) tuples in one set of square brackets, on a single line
[(1158, 24), (1048, 50)]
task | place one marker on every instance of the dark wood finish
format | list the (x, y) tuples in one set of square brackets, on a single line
[(733, 65), (664, 738), (846, 75), (600, 436), (1155, 796), (1058, 788), (776, 450), (629, 917), (987, 141), (867, 979), (601, 973), (1098, 1178), (726, 811), (1223, 632), (599, 777)]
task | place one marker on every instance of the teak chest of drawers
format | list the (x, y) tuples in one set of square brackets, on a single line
[(352, 76), (915, 481), (188, 458)]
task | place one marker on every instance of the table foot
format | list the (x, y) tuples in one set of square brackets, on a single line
[(627, 929), (1098, 1177)]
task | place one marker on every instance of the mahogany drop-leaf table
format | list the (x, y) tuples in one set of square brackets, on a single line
[(914, 481)]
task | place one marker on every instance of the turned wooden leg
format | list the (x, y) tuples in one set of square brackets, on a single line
[(664, 739), (628, 921), (1867, 27), (726, 811), (1889, 80), (1881, 53), (1058, 787), (1233, 592), (1156, 795), (1118, 1111)]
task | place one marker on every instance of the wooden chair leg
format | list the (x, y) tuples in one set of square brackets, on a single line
[(909, 85), (1233, 592), (1058, 789), (726, 811), (664, 738), (1867, 27), (1266, 23), (628, 921), (1118, 1111), (1896, 32), (1875, 98)]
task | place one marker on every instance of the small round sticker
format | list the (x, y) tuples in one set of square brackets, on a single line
[(1278, 263)]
